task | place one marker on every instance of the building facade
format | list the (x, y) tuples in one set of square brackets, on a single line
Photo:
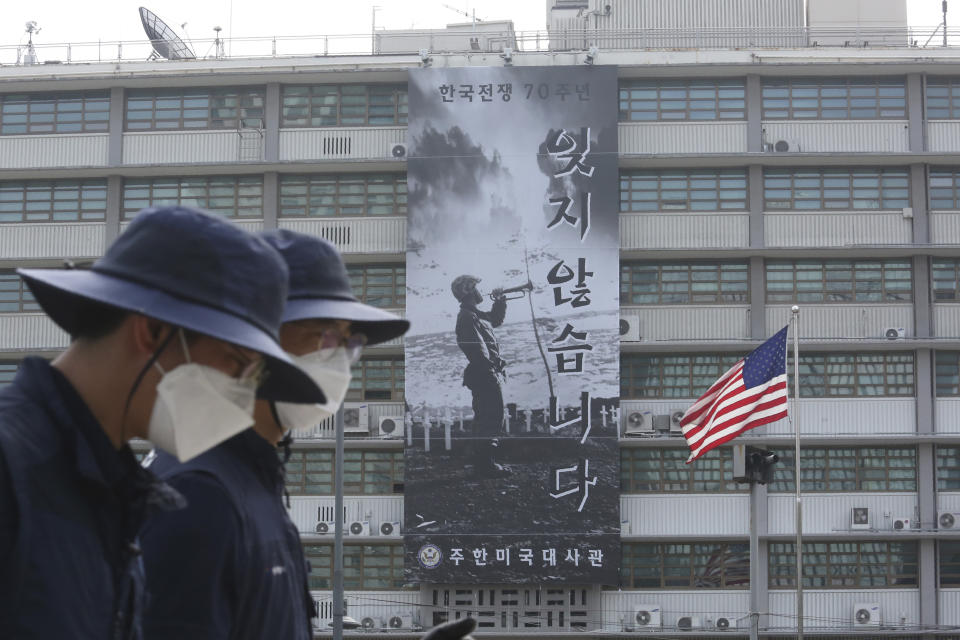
[(751, 179)]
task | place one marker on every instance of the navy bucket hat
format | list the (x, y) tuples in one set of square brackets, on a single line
[(194, 270), (320, 287)]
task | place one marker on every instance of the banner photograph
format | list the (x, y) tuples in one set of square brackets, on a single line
[(512, 363)]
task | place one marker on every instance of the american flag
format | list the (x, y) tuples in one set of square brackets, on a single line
[(752, 393)]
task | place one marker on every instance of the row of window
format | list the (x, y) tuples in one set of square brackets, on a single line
[(786, 281), (385, 194), (345, 105), (823, 375)]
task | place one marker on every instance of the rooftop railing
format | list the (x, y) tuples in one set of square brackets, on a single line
[(439, 41)]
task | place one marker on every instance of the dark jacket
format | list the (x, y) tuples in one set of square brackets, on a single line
[(70, 509), (231, 564), (475, 338)]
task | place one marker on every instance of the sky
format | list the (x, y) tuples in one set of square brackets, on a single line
[(118, 20)]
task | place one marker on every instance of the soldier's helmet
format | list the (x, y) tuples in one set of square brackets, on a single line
[(462, 285)]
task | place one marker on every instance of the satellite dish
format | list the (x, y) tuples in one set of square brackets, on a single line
[(166, 43)]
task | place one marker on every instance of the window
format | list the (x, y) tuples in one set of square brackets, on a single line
[(946, 279), (834, 98), (671, 376), (685, 566), (682, 99), (343, 105), (943, 98), (944, 188), (15, 296), (53, 201), (948, 374), (812, 189), (839, 281), (357, 194), (230, 196), (837, 469), (180, 109), (310, 472), (377, 379), (948, 468), (649, 470), (683, 190), (46, 113), (948, 559), (683, 283), (365, 567), (8, 371), (382, 286), (838, 375), (831, 565)]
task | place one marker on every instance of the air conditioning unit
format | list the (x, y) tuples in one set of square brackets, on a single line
[(400, 621), (786, 145), (675, 418), (688, 623), (358, 528), (370, 623), (398, 151), (725, 623), (639, 423), (326, 527), (630, 328), (391, 427), (902, 523), (866, 614), (356, 419), (390, 528), (894, 333), (645, 617), (860, 518), (948, 520)]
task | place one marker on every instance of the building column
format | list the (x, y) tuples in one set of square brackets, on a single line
[(922, 303), (917, 139), (271, 123), (926, 486), (271, 199), (758, 312), (754, 112), (755, 194), (918, 202), (759, 555), (114, 206), (115, 144)]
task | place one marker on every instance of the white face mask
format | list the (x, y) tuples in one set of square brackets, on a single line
[(198, 407), (330, 369)]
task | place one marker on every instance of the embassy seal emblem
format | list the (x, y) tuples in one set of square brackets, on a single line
[(430, 556)]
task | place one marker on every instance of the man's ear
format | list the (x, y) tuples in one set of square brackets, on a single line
[(147, 333)]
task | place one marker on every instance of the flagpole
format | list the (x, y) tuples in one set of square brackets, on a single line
[(795, 321)]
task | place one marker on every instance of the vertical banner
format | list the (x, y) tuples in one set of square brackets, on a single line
[(513, 360)]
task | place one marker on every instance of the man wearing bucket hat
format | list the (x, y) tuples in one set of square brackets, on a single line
[(231, 564), (171, 332)]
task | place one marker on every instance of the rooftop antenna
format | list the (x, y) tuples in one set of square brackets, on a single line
[(472, 15), (943, 24), (30, 57), (218, 43), (166, 43)]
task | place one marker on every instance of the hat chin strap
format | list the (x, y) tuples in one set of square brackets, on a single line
[(136, 383)]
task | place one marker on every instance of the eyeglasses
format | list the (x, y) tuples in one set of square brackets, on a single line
[(352, 343)]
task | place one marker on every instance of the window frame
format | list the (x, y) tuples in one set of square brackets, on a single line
[(650, 470), (858, 291), (359, 561), (359, 390), (195, 108), (361, 474), (44, 110), (949, 88), (946, 363), (794, 98), (949, 267), (660, 367), (820, 189), (670, 191), (329, 105), (246, 194), (825, 562), (858, 366), (670, 291), (387, 295), (14, 291), (667, 562), (8, 371), (682, 100), (353, 195), (823, 470), (88, 205)]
